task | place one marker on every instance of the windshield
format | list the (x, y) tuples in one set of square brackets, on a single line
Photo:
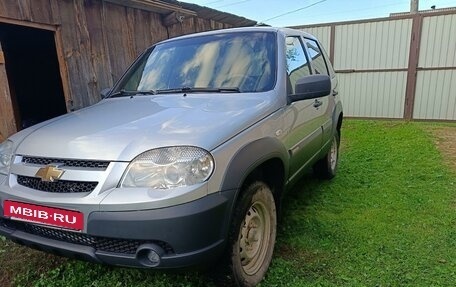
[(242, 61)]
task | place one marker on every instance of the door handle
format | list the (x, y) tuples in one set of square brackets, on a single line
[(317, 103), (335, 92)]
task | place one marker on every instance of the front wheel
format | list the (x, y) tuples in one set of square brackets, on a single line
[(327, 166), (252, 235)]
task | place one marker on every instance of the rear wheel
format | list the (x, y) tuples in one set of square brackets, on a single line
[(327, 166), (252, 235)]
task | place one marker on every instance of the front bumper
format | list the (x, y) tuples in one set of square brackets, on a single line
[(184, 235)]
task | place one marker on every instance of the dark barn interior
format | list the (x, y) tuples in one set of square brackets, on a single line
[(33, 74)]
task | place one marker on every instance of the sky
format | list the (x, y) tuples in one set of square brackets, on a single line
[(303, 12)]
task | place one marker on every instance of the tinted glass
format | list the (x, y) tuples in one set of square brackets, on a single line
[(318, 61), (233, 60)]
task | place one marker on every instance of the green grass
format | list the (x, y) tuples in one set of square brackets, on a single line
[(387, 219)]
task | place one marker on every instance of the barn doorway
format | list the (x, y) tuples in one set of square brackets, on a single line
[(33, 74)]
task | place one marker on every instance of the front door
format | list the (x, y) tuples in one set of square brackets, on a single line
[(304, 118)]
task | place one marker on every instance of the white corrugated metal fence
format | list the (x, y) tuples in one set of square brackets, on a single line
[(397, 67)]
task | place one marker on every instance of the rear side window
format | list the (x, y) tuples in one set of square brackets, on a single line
[(318, 61)]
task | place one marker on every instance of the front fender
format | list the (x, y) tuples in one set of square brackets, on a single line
[(250, 157)]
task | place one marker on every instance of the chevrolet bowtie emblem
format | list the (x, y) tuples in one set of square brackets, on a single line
[(49, 173)]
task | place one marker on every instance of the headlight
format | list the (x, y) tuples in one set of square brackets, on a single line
[(6, 154), (169, 167)]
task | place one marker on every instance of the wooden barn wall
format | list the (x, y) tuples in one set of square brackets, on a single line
[(7, 121), (99, 40)]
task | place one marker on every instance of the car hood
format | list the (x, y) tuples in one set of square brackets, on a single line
[(119, 129)]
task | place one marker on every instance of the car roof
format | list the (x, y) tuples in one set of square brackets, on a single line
[(284, 31)]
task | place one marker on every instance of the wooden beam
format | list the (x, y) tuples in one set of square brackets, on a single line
[(153, 6), (63, 69), (349, 71), (28, 24), (414, 6), (332, 44), (8, 124), (172, 18), (414, 53)]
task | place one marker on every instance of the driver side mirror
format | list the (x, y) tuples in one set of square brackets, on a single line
[(311, 87)]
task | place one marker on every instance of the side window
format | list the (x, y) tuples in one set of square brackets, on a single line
[(316, 56), (297, 63)]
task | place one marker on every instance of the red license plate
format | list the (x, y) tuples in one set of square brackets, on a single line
[(45, 215)]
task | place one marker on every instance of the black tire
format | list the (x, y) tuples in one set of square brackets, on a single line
[(252, 235), (326, 167)]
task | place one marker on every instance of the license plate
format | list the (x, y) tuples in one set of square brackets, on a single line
[(45, 215)]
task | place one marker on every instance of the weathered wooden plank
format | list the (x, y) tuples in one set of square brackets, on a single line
[(54, 9), (218, 25), (41, 11), (175, 30), (75, 41), (85, 56), (25, 8), (7, 119), (188, 26), (10, 9), (99, 61), (121, 53), (199, 25), (130, 36), (202, 25), (151, 30), (62, 66), (142, 37), (156, 29)]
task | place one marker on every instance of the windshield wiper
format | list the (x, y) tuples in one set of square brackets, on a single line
[(198, 90), (123, 93)]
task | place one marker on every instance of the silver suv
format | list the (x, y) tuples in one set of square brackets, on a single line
[(186, 158)]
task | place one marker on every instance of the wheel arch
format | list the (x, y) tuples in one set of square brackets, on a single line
[(265, 160), (337, 117), (262, 153)]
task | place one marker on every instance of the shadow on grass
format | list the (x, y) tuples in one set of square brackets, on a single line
[(294, 255), (19, 260)]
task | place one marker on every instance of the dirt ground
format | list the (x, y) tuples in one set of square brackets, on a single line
[(445, 139)]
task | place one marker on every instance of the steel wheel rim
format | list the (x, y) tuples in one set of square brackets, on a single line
[(254, 238), (333, 154)]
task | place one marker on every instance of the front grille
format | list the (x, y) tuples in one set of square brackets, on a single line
[(61, 186), (66, 162), (124, 246)]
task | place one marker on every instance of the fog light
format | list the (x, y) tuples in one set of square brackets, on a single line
[(154, 258)]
